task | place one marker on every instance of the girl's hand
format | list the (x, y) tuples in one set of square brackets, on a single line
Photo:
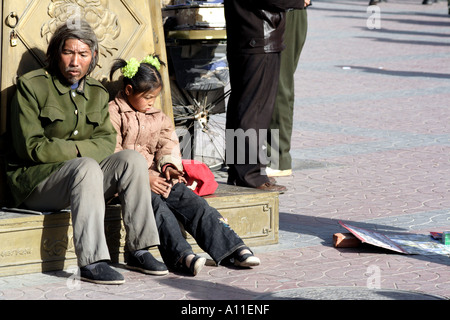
[(159, 185), (172, 173)]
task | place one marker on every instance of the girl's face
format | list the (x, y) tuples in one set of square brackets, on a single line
[(141, 101)]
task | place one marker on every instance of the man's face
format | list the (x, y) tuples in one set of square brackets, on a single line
[(75, 59)]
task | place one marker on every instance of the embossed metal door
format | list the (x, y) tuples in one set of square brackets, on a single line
[(125, 28)]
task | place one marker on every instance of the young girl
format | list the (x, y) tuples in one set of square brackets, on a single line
[(144, 128)]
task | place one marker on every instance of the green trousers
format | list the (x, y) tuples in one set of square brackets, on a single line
[(282, 119)]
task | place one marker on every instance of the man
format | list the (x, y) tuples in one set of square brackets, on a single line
[(282, 118), (63, 144), (255, 31)]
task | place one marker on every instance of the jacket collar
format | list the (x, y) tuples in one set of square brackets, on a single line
[(64, 88)]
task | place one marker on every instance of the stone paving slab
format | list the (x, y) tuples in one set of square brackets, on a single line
[(371, 147), (347, 293)]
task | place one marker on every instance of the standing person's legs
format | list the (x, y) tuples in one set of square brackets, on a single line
[(282, 119), (254, 81)]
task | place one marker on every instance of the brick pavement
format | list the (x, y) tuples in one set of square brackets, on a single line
[(371, 147)]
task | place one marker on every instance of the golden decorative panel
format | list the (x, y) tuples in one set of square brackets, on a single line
[(124, 28)]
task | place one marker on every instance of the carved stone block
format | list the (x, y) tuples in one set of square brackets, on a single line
[(37, 243)]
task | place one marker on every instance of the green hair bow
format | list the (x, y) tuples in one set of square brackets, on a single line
[(132, 67), (153, 61), (130, 70)]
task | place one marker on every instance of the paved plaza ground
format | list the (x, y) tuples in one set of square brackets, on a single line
[(371, 147)]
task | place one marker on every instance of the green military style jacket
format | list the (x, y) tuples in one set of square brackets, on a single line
[(50, 122)]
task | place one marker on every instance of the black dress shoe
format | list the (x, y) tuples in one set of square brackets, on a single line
[(269, 186), (232, 181)]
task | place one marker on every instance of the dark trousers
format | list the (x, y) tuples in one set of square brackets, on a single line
[(254, 81), (282, 119), (199, 219)]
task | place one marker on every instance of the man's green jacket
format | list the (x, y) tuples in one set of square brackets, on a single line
[(52, 123)]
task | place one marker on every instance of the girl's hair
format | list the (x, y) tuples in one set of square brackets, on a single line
[(147, 77), (82, 32)]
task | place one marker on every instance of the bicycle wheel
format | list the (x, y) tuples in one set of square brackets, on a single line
[(199, 118)]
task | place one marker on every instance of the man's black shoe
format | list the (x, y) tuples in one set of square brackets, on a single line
[(269, 186), (146, 263), (101, 273)]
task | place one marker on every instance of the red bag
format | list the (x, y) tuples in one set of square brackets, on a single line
[(199, 177)]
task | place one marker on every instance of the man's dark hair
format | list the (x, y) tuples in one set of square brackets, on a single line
[(81, 31)]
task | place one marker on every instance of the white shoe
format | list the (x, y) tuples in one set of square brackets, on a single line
[(250, 261), (278, 173), (196, 264), (243, 257)]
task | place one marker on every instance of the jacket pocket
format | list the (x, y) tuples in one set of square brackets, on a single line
[(94, 118), (52, 113)]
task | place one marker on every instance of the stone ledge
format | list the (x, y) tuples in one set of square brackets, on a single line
[(38, 243)]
